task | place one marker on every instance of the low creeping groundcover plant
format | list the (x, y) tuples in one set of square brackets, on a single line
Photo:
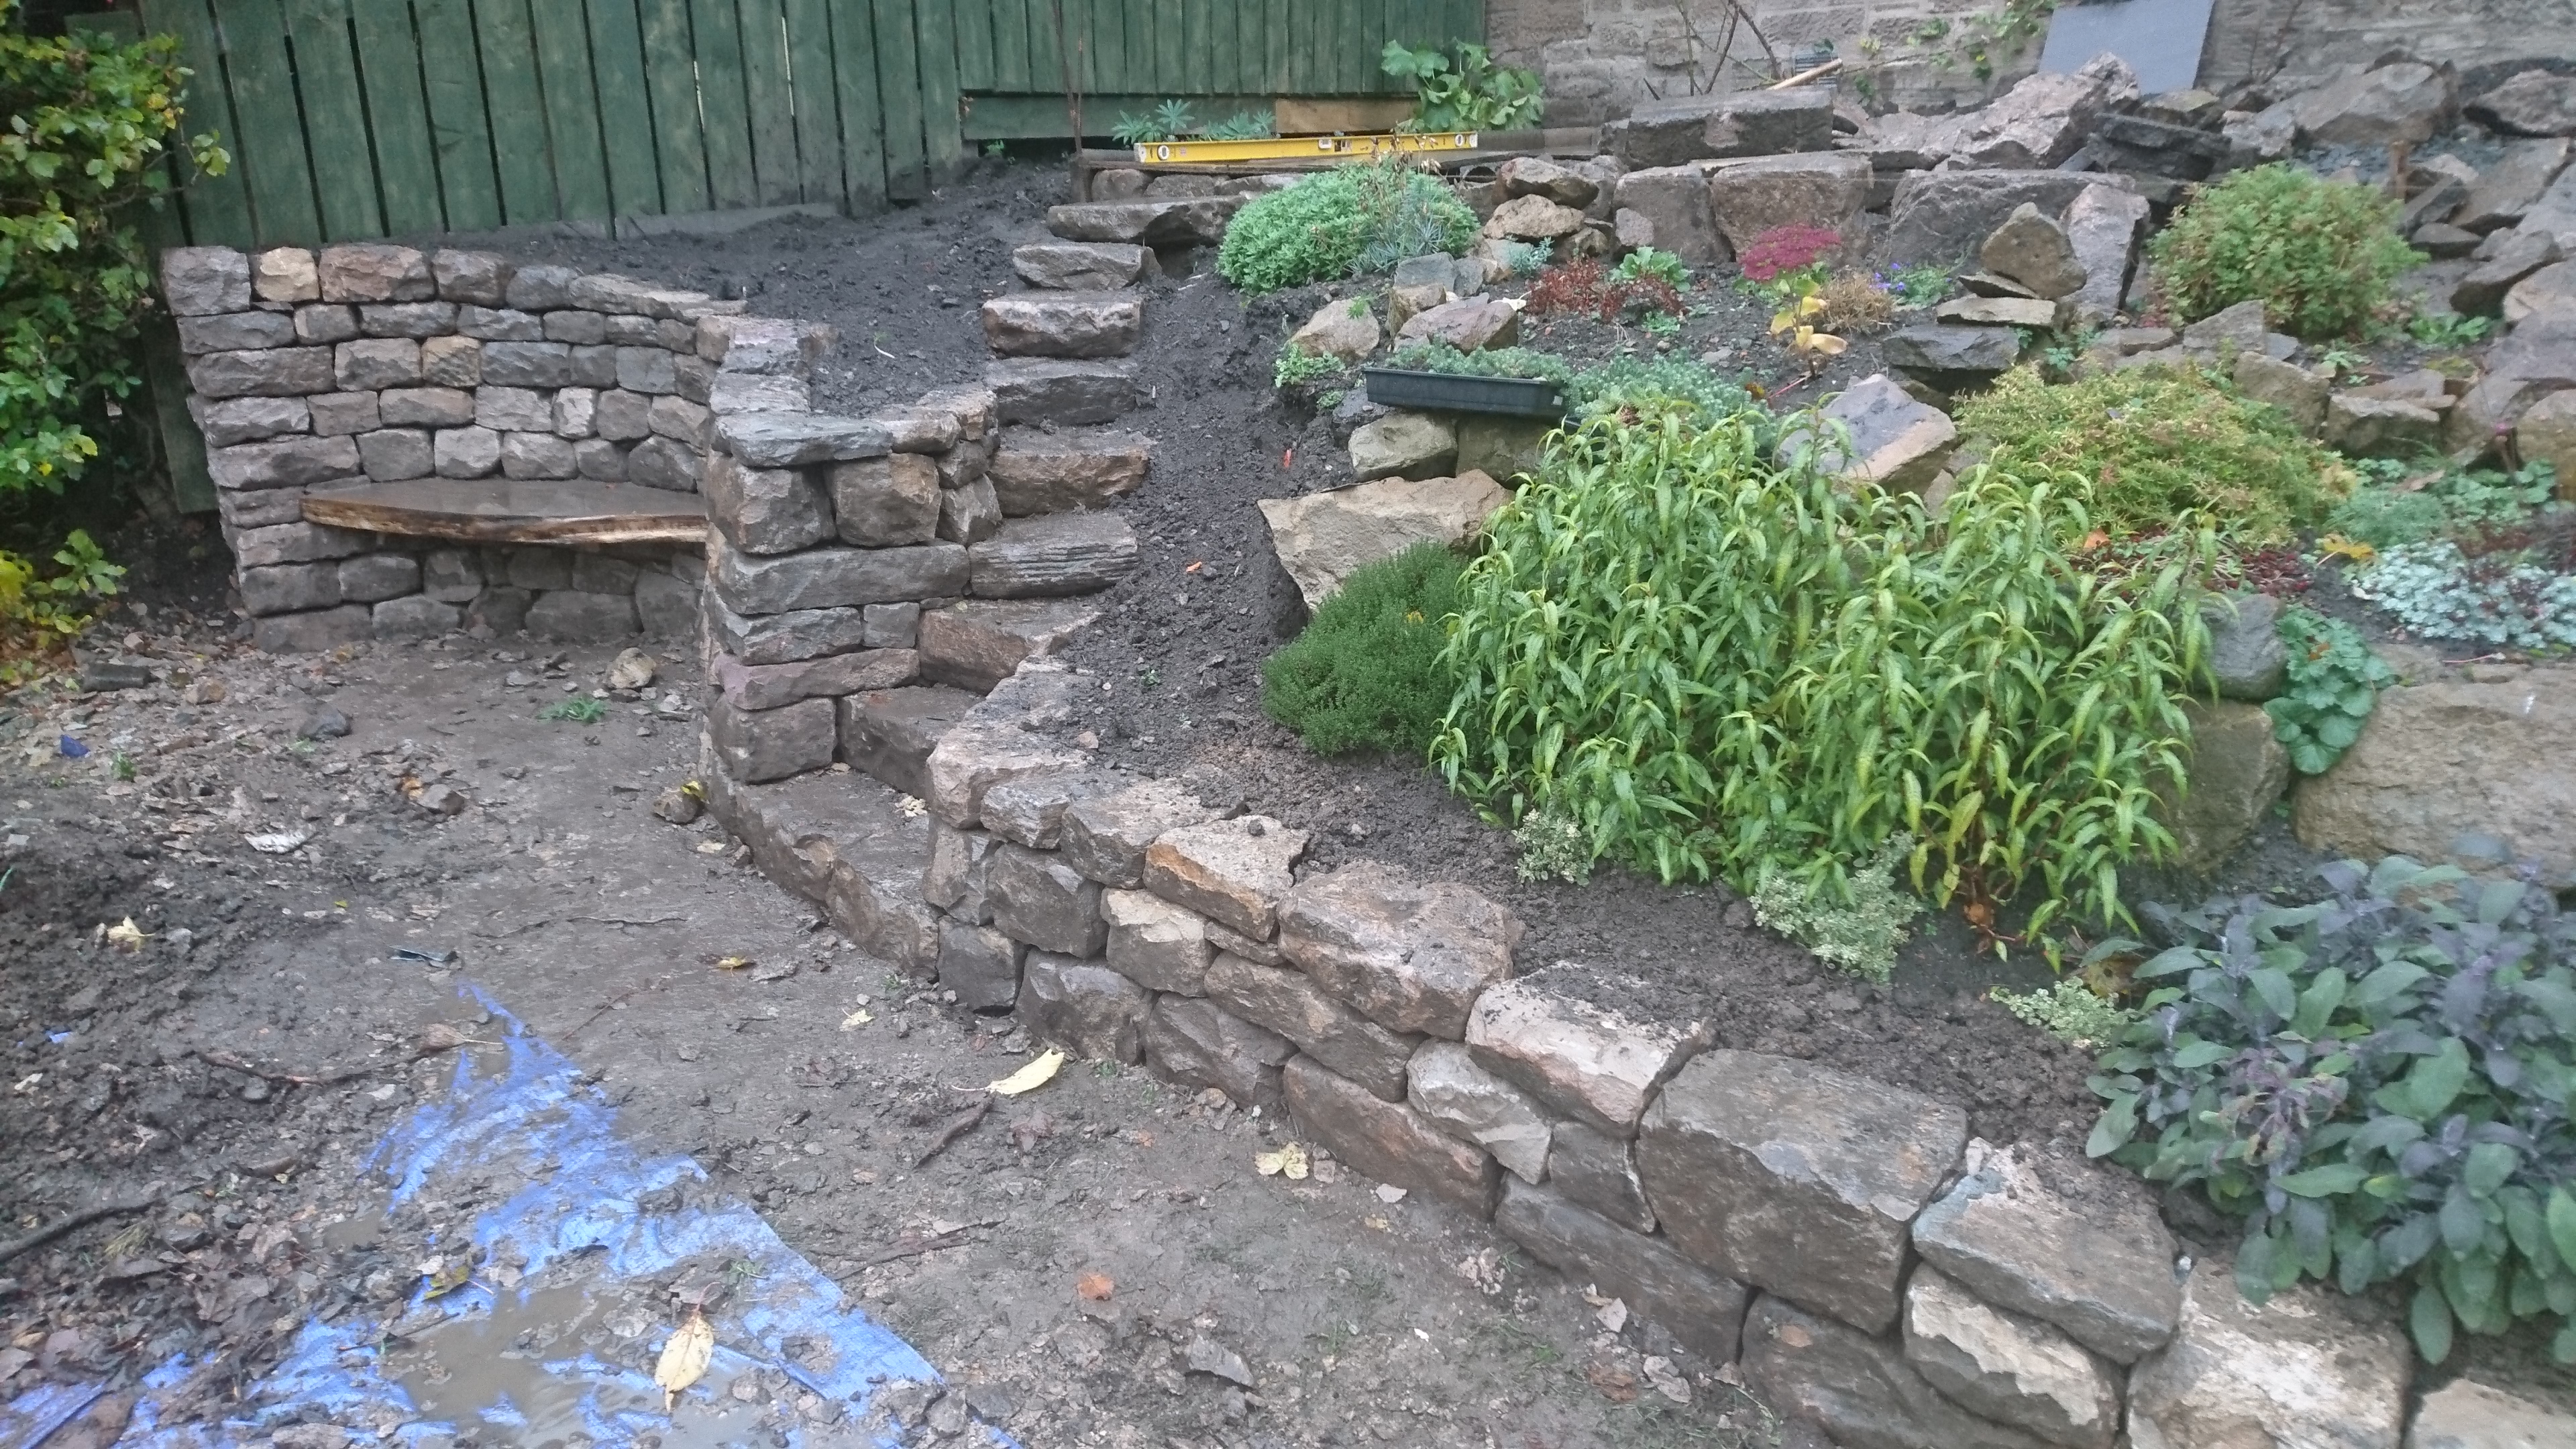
[(1345, 222), (2506, 600), (2378, 1083), (2333, 685), (1720, 667), (1620, 385)]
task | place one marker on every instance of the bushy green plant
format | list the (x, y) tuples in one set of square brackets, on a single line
[(1368, 673), (1724, 668), (2389, 508), (2156, 443), (90, 125), (1918, 285), (2319, 254), (2333, 686), (2446, 331), (1664, 267), (1169, 121), (1341, 223), (2507, 600), (2070, 1011), (1553, 847), (2378, 1082), (1244, 126), (1464, 92), (40, 614), (1624, 385), (1297, 367), (1857, 929)]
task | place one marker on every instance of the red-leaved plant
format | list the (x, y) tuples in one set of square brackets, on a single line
[(1585, 285), (1787, 249)]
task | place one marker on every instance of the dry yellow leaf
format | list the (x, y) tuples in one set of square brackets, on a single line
[(1288, 1162), (732, 963), (1029, 1078), (684, 1358), (125, 936), (855, 1020)]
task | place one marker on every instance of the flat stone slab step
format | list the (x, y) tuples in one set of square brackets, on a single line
[(976, 643), (1064, 324), (1053, 556), (1035, 471), (889, 733), (1083, 266), (844, 842), (496, 510), (1067, 394), (1172, 221)]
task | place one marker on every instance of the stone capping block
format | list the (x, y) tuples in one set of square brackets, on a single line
[(1002, 738), (1580, 1059), (1860, 1392), (2099, 1266), (1231, 871), (2309, 1367), (2010, 1368), (1030, 810), (1704, 1310), (1796, 1177), (1388, 1141), (797, 440), (1156, 944), (1106, 837), (1412, 957), (1444, 1084)]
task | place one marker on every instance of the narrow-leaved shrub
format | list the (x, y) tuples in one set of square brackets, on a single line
[(1341, 223), (1367, 673), (2319, 254)]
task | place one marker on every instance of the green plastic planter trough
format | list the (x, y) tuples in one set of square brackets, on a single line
[(1449, 392)]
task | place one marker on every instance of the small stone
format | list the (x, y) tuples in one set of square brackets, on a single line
[(1445, 1085), (1157, 945), (1579, 1059), (1469, 324), (322, 722), (678, 806), (1207, 1356), (2012, 1369), (1083, 1006)]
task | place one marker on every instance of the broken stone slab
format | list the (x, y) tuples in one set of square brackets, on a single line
[(1704, 1310), (2104, 224), (1598, 1171), (1939, 217), (1796, 1177), (771, 744), (1029, 810), (2027, 312), (2309, 1367), (1404, 445), (1284, 1001), (1410, 956), (2009, 1368), (2466, 1414), (1444, 1084), (1039, 899), (1056, 472), (1857, 1389), (2044, 119), (1469, 324), (1106, 838), (2532, 103), (2513, 256), (2237, 770), (2035, 251), (1064, 324), (1536, 176), (1893, 440), (1050, 556), (2392, 105), (1232, 871), (1157, 945), (2444, 762), (1943, 350), (1068, 394), (1745, 123), (1580, 1059), (1176, 221), (796, 440), (1322, 538), (1093, 1012), (889, 733), (1003, 738), (1825, 189), (1387, 1140), (980, 964), (769, 686), (784, 638), (1673, 201), (977, 643), (1082, 266), (2097, 1263), (1201, 1044)]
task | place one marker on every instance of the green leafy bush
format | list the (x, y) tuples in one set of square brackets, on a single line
[(1723, 668), (2156, 443), (1553, 847), (1342, 223), (2378, 1082), (40, 614), (1297, 367), (1169, 121), (1367, 673), (1467, 92), (2333, 686), (90, 123), (2390, 508), (1858, 929), (1664, 267), (2068, 1010), (2319, 254)]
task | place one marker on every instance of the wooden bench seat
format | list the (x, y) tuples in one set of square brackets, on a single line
[(500, 510)]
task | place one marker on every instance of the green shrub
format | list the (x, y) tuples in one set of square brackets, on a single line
[(1858, 929), (89, 125), (1297, 367), (1342, 223), (2156, 443), (2385, 511), (1664, 267), (2333, 686), (2378, 1083), (2319, 254), (1467, 93), (1622, 384), (1367, 673), (1722, 668)]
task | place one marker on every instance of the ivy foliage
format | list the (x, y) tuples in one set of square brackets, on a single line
[(1345, 222), (2320, 255), (1367, 672), (90, 124), (2378, 1083), (1722, 668)]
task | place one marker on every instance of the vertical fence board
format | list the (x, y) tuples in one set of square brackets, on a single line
[(862, 117), (625, 108), (1011, 21), (326, 84), (453, 83), (572, 108), (818, 113), (271, 154), (899, 90), (768, 103), (724, 104), (1048, 42), (406, 158), (936, 29), (670, 70), (973, 22), (216, 209), (516, 102)]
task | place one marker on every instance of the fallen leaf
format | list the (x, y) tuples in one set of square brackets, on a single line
[(713, 847), (281, 842), (684, 1358), (1029, 1078), (1616, 1384), (1381, 1224), (1667, 1380), (1288, 1162), (126, 936), (1195, 566), (855, 1020), (732, 963), (1095, 1286)]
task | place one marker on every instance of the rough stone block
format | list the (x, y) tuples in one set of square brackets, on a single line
[(892, 626), (1175, 221), (623, 416), (312, 633), (770, 744), (585, 329), (489, 324), (981, 965), (288, 588), (267, 372), (374, 362), (1029, 810), (882, 502), (599, 460), (890, 733), (1796, 1177), (1286, 1002), (536, 455), (235, 332), (265, 508), (325, 322), (1106, 838), (734, 393), (1066, 324), (667, 608), (2309, 1367), (1039, 899), (1674, 201), (284, 463), (478, 278), (1156, 944), (1598, 1171), (1444, 1085), (415, 617), (680, 420), (337, 413), (1039, 472), (249, 419), (375, 272), (795, 440), (501, 610), (1404, 445), (1583, 1061), (665, 464), (576, 616), (373, 577), (1704, 1310), (407, 319), (2009, 1368), (466, 452), (1387, 1140), (1232, 871), (821, 578), (527, 364), (2466, 1414), (969, 513), (768, 686), (426, 407), (1065, 553), (1082, 266), (1086, 1008), (1069, 394), (451, 575), (955, 879), (205, 281), (766, 510), (541, 289), (392, 454), (977, 643), (1006, 736), (297, 542), (1321, 539), (2237, 769), (2098, 1265), (1201, 1044), (1412, 957), (783, 638), (513, 409), (1745, 123), (285, 274), (1855, 1388), (1885, 436), (1939, 217), (599, 573)]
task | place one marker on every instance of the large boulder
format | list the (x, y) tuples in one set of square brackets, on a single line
[(2236, 770), (2310, 1367), (1825, 190), (1938, 217), (2449, 763), (1874, 431), (2079, 1247), (1746, 123), (2534, 103), (2044, 118), (2011, 1368), (1322, 537), (2035, 251), (2508, 258), (1674, 202), (2397, 103), (2506, 190), (2103, 223)]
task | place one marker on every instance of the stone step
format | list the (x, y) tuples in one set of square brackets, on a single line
[(1035, 471), (1083, 266), (1052, 556), (844, 842), (1064, 324), (889, 733), (1174, 221), (1067, 394), (976, 643)]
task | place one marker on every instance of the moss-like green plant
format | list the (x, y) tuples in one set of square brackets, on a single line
[(2155, 443), (1342, 223), (2319, 254), (1367, 673)]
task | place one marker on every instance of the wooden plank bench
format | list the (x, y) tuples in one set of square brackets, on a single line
[(496, 510)]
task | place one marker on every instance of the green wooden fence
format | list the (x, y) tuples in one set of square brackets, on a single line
[(361, 118)]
